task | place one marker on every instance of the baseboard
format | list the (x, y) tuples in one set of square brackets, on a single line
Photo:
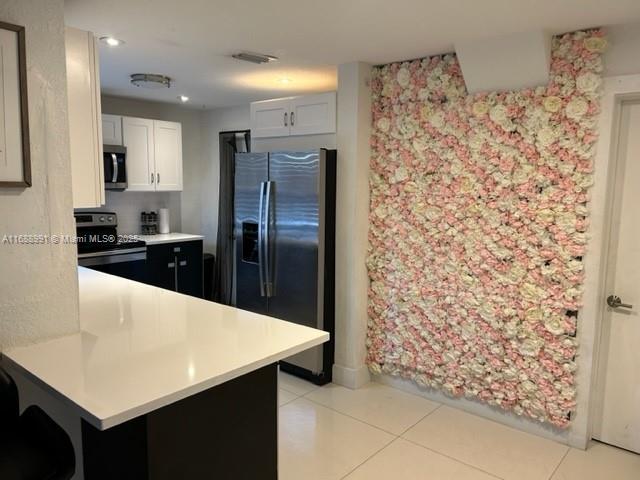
[(565, 436), (351, 377)]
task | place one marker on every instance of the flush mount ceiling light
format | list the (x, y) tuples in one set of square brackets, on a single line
[(111, 41), (254, 57), (183, 98), (150, 80)]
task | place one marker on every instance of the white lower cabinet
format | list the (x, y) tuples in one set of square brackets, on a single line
[(154, 154)]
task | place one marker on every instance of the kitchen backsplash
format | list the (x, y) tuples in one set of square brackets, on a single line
[(128, 206)]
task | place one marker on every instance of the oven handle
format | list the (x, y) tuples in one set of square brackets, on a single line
[(110, 259)]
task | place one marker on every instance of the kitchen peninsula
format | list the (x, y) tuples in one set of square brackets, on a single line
[(161, 385)]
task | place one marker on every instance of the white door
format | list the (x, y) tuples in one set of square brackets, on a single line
[(313, 114), (137, 136), (619, 376), (270, 118), (111, 129), (168, 154)]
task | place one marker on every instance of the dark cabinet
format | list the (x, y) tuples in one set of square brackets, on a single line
[(176, 266)]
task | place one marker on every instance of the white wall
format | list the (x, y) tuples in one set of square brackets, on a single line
[(622, 56), (184, 207), (39, 285)]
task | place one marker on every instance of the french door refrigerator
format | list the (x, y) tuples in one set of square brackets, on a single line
[(285, 245)]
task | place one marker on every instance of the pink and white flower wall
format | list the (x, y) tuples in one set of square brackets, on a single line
[(478, 217)]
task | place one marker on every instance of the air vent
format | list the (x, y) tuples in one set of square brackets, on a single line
[(254, 57), (150, 80)]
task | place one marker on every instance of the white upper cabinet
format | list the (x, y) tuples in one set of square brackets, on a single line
[(154, 154), (168, 155), (85, 135), (304, 115), (137, 136), (111, 129), (313, 114), (270, 118)]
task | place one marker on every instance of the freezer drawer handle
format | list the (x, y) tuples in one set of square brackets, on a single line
[(261, 240), (292, 118)]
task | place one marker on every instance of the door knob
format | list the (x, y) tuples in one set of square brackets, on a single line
[(614, 301)]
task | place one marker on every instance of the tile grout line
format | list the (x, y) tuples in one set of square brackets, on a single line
[(369, 457), (559, 463), (451, 458), (425, 416)]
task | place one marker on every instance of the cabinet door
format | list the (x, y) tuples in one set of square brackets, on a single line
[(137, 136), (85, 136), (111, 129), (189, 268), (270, 118), (313, 114), (168, 155), (161, 266)]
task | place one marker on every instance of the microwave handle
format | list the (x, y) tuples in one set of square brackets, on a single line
[(114, 159)]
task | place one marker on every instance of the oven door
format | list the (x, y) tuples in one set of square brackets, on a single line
[(115, 168), (131, 264)]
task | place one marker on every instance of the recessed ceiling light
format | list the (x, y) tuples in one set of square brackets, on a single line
[(112, 42), (183, 98), (285, 80)]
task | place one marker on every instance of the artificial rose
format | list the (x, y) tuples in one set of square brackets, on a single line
[(595, 44), (588, 82), (480, 108), (404, 77), (552, 104), (576, 108)]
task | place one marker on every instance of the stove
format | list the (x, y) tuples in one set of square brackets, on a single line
[(101, 248)]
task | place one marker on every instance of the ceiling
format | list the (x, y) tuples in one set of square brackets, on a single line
[(192, 40)]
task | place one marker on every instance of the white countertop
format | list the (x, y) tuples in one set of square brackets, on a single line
[(168, 238), (142, 347)]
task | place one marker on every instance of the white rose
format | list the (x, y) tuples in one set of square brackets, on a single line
[(552, 104), (480, 108), (588, 82), (595, 44), (530, 347), (576, 108), (554, 325), (437, 120), (403, 77), (400, 175), (546, 136), (419, 145), (498, 114), (383, 124)]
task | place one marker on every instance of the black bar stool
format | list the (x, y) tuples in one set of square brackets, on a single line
[(32, 445)]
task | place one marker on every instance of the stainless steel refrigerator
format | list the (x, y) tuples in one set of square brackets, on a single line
[(284, 206)]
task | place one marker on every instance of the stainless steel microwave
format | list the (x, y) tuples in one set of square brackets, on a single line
[(115, 167)]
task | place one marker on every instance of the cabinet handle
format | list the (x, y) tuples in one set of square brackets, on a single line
[(285, 119), (158, 178), (171, 265), (175, 272), (152, 177), (292, 119), (183, 263)]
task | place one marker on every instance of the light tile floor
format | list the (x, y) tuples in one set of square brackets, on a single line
[(378, 432)]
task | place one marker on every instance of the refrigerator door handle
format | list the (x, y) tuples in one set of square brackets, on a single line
[(267, 240), (261, 258)]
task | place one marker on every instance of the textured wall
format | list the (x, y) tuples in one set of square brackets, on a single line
[(38, 285), (478, 214)]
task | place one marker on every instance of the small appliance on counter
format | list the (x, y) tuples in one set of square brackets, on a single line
[(115, 168), (163, 220), (101, 248), (148, 223)]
